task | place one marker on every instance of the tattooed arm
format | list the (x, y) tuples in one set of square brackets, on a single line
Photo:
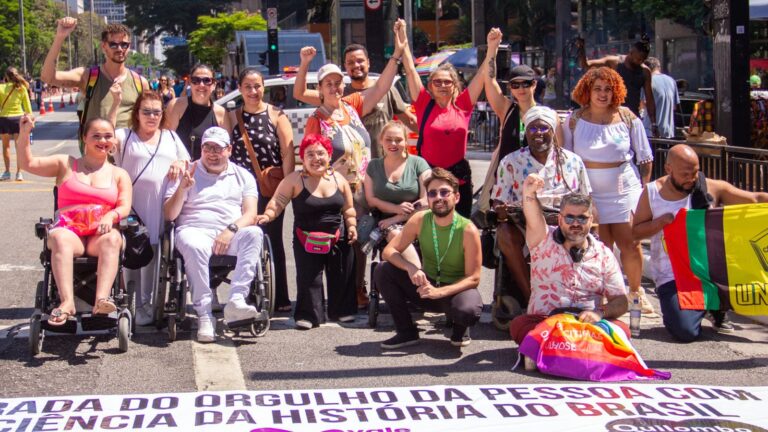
[(283, 195)]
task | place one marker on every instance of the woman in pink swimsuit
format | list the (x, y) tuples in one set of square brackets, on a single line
[(89, 187)]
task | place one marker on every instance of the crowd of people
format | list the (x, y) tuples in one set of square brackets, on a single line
[(565, 192)]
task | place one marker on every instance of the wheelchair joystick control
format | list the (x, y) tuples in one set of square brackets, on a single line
[(373, 239)]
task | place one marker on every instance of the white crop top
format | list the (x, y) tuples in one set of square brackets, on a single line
[(608, 143)]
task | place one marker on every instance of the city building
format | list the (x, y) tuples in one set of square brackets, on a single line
[(113, 11)]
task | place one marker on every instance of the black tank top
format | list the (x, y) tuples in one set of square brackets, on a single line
[(313, 213), (195, 120), (634, 80), (510, 132)]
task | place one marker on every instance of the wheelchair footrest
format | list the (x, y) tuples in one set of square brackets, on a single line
[(263, 316), (98, 322), (68, 327)]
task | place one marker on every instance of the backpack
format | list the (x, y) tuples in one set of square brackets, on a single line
[(93, 78)]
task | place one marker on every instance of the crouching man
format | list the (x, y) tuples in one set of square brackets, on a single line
[(214, 205), (570, 269), (450, 274)]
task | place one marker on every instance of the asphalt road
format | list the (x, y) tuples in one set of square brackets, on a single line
[(327, 357)]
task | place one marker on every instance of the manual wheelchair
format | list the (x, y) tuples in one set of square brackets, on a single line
[(170, 296), (84, 275)]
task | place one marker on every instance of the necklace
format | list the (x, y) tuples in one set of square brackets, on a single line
[(439, 259), (86, 169)]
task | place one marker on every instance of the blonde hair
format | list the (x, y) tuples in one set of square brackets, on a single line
[(13, 75), (447, 67), (390, 125)]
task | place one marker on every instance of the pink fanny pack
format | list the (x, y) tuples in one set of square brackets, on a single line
[(82, 219), (317, 242)]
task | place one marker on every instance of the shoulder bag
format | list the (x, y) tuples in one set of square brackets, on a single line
[(268, 178)]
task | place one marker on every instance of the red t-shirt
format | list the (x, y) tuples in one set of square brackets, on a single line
[(445, 133)]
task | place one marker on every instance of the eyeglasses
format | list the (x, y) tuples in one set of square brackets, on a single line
[(442, 83), (201, 80), (524, 84), (121, 45), (151, 113), (444, 193), (570, 219), (213, 148), (541, 129)]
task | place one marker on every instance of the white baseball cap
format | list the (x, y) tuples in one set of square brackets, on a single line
[(216, 135), (328, 69)]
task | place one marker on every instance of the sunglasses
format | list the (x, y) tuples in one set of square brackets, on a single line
[(151, 113), (524, 84), (121, 45), (215, 149), (444, 193), (442, 83), (541, 130), (201, 80), (570, 219)]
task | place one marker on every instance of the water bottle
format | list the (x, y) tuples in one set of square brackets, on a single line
[(373, 240), (634, 316)]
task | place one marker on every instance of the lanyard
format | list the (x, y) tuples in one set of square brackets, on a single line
[(437, 248)]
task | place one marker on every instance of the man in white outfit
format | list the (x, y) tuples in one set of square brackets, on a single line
[(214, 205)]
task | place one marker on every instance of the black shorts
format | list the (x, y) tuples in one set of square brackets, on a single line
[(9, 125)]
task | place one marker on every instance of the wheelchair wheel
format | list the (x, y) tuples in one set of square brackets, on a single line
[(504, 309), (123, 332), (131, 303), (268, 275), (161, 288), (35, 335), (260, 328), (171, 329)]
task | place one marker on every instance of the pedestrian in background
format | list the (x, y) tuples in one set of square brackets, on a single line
[(14, 102), (665, 97)]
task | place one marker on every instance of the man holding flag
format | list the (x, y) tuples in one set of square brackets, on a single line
[(678, 281)]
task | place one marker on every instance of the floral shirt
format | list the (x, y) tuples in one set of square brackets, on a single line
[(560, 179), (556, 281)]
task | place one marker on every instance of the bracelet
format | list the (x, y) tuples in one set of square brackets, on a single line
[(117, 219), (397, 60)]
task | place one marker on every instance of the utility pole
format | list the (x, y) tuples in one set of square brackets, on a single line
[(93, 47), (408, 15), (23, 41), (69, 40), (438, 12)]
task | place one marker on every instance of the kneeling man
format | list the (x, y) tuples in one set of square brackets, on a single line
[(214, 204), (570, 269), (450, 274)]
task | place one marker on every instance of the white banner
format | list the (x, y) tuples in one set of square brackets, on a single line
[(506, 407)]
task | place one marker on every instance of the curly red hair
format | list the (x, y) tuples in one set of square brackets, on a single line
[(312, 139), (581, 93)]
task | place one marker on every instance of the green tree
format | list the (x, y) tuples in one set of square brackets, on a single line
[(39, 28), (175, 17), (209, 42), (691, 13), (177, 59)]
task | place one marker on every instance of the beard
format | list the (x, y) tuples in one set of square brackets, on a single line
[(542, 147), (679, 187), (575, 236), (362, 77), (443, 210)]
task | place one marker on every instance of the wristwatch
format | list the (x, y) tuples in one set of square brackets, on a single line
[(233, 227)]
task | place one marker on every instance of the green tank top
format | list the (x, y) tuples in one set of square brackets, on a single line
[(101, 100), (452, 266)]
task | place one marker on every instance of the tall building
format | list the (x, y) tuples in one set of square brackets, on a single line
[(114, 12), (75, 6)]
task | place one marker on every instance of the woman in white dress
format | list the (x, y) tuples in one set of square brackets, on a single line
[(609, 138), (151, 154)]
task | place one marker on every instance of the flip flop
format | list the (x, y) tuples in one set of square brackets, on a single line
[(58, 314), (104, 306)]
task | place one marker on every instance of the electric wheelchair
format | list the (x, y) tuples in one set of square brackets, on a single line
[(170, 296), (84, 284)]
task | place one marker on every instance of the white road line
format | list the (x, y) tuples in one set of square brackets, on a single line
[(59, 145), (13, 268), (217, 366)]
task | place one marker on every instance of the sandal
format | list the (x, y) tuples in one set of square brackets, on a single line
[(59, 317), (104, 306)]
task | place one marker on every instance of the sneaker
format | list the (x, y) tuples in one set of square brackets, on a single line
[(720, 322), (400, 340), (347, 319), (6, 176), (304, 325), (144, 316), (19, 177), (239, 310), (460, 336), (529, 364), (646, 308), (205, 328)]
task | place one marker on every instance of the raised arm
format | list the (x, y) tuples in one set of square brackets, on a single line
[(493, 92), (609, 61), (173, 205), (300, 91), (49, 74), (411, 76), (46, 166), (373, 95), (475, 86), (535, 225)]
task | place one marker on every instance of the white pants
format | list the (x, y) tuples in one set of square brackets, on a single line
[(196, 246)]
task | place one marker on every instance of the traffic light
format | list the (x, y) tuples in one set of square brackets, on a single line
[(263, 57), (272, 50)]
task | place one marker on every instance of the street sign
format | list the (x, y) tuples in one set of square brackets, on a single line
[(373, 4), (272, 18), (173, 41)]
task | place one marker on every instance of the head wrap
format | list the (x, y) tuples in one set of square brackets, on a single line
[(540, 112)]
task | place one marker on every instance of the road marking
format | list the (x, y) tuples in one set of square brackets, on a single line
[(25, 190), (217, 366), (13, 267), (59, 145)]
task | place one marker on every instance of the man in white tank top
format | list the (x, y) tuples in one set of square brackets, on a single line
[(682, 187)]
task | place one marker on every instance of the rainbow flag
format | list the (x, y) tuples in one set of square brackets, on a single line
[(564, 346), (719, 258)]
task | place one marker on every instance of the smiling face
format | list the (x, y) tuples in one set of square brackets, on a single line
[(316, 160), (601, 94), (442, 85), (332, 87), (215, 157), (203, 85), (393, 140), (357, 65), (252, 89), (99, 139), (539, 135), (441, 197)]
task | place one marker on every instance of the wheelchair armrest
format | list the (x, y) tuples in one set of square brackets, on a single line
[(42, 227)]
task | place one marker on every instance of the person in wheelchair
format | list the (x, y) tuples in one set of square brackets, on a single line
[(570, 270), (214, 204), (562, 171), (448, 279), (394, 184), (93, 195)]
